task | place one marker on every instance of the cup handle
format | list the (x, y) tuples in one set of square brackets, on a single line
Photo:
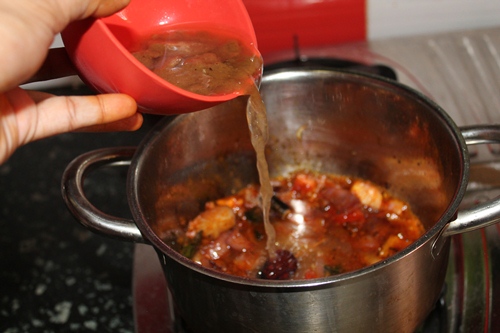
[(484, 214), (86, 213)]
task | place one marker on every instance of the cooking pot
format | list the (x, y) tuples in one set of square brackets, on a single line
[(329, 121)]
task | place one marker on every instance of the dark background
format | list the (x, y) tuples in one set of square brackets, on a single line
[(56, 276)]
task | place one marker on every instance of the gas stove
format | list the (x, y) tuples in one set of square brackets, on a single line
[(461, 72)]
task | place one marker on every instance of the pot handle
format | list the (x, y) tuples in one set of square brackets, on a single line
[(484, 214), (86, 213)]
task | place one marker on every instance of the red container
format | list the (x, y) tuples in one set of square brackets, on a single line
[(98, 48)]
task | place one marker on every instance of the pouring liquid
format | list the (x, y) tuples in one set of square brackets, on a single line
[(257, 124), (208, 63)]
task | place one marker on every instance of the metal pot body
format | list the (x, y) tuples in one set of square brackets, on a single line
[(328, 121)]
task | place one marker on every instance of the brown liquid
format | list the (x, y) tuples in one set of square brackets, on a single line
[(257, 124), (203, 62)]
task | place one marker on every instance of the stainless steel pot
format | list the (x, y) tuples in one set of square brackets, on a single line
[(330, 121)]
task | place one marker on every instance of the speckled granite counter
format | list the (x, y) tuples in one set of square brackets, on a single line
[(55, 275)]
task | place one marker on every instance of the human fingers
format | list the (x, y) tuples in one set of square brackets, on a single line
[(132, 123), (50, 115), (81, 9), (107, 7), (128, 124)]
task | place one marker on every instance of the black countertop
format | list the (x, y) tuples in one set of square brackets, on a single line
[(56, 275)]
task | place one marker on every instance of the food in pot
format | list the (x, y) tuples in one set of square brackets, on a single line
[(325, 225), (200, 61)]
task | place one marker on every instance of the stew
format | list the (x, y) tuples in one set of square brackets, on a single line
[(324, 225)]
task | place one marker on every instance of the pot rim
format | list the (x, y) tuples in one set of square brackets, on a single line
[(432, 233)]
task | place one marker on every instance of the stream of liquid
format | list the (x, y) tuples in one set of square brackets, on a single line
[(259, 133)]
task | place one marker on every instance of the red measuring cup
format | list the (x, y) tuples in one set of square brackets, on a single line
[(99, 49)]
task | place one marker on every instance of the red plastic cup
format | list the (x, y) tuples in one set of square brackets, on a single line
[(99, 49)]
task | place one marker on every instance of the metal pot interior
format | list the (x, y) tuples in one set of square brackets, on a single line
[(329, 121)]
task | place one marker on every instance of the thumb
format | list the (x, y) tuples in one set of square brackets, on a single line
[(91, 8), (28, 28)]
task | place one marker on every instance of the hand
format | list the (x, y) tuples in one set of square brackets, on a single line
[(27, 29)]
